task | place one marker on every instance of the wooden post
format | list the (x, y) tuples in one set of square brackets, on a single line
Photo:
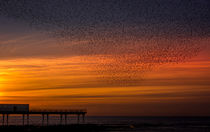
[(61, 116), (42, 119), (47, 118), (27, 119), (83, 117), (3, 119), (7, 119), (78, 118), (65, 119), (69, 119), (23, 119)]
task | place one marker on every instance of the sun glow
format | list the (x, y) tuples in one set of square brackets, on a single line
[(2, 80), (1, 85)]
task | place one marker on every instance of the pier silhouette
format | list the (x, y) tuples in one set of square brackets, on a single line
[(23, 109)]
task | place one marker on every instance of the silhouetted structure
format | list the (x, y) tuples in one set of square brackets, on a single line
[(8, 109)]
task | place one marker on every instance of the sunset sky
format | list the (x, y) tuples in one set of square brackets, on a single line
[(117, 57)]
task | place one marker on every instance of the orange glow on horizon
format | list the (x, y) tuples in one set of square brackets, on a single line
[(68, 80)]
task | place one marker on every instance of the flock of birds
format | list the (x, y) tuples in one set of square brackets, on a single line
[(126, 39)]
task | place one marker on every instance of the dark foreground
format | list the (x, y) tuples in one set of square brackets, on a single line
[(106, 128)]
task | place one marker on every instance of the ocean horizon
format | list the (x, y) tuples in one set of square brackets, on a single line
[(125, 123)]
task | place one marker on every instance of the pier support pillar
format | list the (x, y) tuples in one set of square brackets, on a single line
[(47, 119), (65, 119), (42, 119), (2, 119), (78, 116), (27, 119), (7, 119), (61, 119), (83, 118), (23, 119)]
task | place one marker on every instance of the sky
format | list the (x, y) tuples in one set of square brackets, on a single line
[(114, 57)]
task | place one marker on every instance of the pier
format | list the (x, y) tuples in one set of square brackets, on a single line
[(16, 109)]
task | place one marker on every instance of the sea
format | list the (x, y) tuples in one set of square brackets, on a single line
[(123, 123)]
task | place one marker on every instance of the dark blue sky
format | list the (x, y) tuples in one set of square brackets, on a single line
[(149, 17)]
